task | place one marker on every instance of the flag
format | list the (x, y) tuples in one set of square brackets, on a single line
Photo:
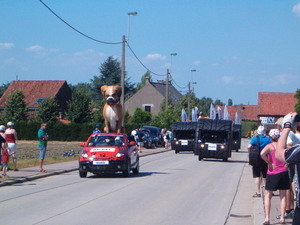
[(220, 113), (212, 112), (226, 113), (193, 115), (237, 119), (196, 113), (183, 116)]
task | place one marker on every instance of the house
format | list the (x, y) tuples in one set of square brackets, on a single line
[(271, 106), (150, 97), (35, 91)]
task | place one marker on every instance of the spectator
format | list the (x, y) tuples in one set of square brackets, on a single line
[(11, 137), (290, 155), (290, 193), (277, 177), (97, 129), (259, 170), (2, 141), (167, 139), (140, 140), (5, 160), (43, 139), (298, 131)]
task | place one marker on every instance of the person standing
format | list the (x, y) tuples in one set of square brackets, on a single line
[(290, 155), (5, 160), (11, 137), (140, 140), (43, 139), (259, 170), (3, 143), (277, 177)]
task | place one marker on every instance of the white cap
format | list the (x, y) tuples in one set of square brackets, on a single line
[(261, 130), (2, 128), (9, 124)]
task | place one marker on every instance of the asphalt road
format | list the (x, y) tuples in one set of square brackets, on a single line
[(170, 189)]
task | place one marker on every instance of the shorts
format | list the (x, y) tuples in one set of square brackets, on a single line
[(260, 169), (141, 144), (43, 150), (12, 147), (4, 164), (279, 181)]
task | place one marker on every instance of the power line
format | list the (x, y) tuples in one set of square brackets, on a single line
[(103, 42)]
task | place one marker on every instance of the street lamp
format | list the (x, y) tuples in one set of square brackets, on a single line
[(167, 82), (192, 71), (128, 28), (172, 54)]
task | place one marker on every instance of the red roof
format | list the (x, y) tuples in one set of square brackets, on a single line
[(276, 103), (245, 112), (33, 90)]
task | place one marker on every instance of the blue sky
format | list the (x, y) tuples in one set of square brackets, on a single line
[(238, 48)]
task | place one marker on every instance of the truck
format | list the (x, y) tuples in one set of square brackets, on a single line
[(214, 139), (184, 135), (236, 137)]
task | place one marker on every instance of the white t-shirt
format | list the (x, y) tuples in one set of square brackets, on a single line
[(293, 138)]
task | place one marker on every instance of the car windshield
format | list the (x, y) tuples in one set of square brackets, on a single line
[(106, 140), (185, 134), (218, 137)]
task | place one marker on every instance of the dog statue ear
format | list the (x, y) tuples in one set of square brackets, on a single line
[(119, 90), (103, 88)]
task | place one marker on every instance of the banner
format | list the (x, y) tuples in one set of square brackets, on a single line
[(183, 116), (212, 112)]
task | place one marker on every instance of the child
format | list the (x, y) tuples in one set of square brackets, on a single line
[(5, 160)]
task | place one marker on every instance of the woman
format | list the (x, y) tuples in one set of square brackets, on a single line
[(11, 137), (277, 177)]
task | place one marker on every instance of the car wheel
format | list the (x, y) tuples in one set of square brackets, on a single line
[(82, 174), (225, 160), (126, 172), (176, 151), (200, 158), (136, 170), (237, 150)]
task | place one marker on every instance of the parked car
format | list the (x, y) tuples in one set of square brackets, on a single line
[(108, 152), (154, 134), (147, 140)]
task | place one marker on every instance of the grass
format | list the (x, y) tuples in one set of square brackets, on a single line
[(28, 153)]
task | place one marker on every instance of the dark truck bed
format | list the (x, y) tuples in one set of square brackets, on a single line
[(236, 137), (184, 135), (214, 139)]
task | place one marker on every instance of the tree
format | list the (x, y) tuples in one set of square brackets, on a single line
[(297, 105), (218, 102), (15, 107), (230, 103), (110, 74), (165, 118), (141, 116), (3, 88), (143, 80), (48, 110), (79, 110)]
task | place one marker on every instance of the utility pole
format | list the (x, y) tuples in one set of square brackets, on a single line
[(123, 77), (189, 100), (167, 89)]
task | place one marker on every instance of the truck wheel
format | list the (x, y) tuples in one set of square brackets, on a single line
[(126, 172), (237, 150), (200, 158), (225, 160), (136, 170), (176, 151), (82, 174)]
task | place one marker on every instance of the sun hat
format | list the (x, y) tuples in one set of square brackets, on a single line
[(9, 124), (274, 133), (279, 121), (2, 128), (261, 130)]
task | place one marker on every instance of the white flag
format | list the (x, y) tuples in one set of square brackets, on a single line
[(237, 119), (220, 113), (212, 112)]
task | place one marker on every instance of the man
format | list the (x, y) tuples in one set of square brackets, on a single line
[(97, 129), (261, 168), (290, 155), (43, 139)]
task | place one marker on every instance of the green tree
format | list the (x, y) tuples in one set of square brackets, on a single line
[(48, 110), (143, 80), (15, 107), (165, 118), (297, 105), (3, 88), (79, 110), (230, 103), (110, 74), (218, 102), (141, 116)]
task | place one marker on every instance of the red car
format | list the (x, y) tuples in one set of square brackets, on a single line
[(104, 153)]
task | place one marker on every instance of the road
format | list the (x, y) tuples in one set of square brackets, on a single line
[(170, 189)]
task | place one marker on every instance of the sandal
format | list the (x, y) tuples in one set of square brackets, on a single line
[(256, 195), (281, 222), (43, 171), (266, 222)]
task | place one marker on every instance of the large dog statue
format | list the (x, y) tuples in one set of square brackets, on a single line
[(112, 110)]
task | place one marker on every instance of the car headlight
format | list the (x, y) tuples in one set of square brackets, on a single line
[(119, 154), (202, 145), (222, 146), (84, 154), (177, 142)]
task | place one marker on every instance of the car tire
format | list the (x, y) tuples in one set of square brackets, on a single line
[(136, 170), (200, 158), (225, 160), (176, 151), (126, 172), (82, 174)]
